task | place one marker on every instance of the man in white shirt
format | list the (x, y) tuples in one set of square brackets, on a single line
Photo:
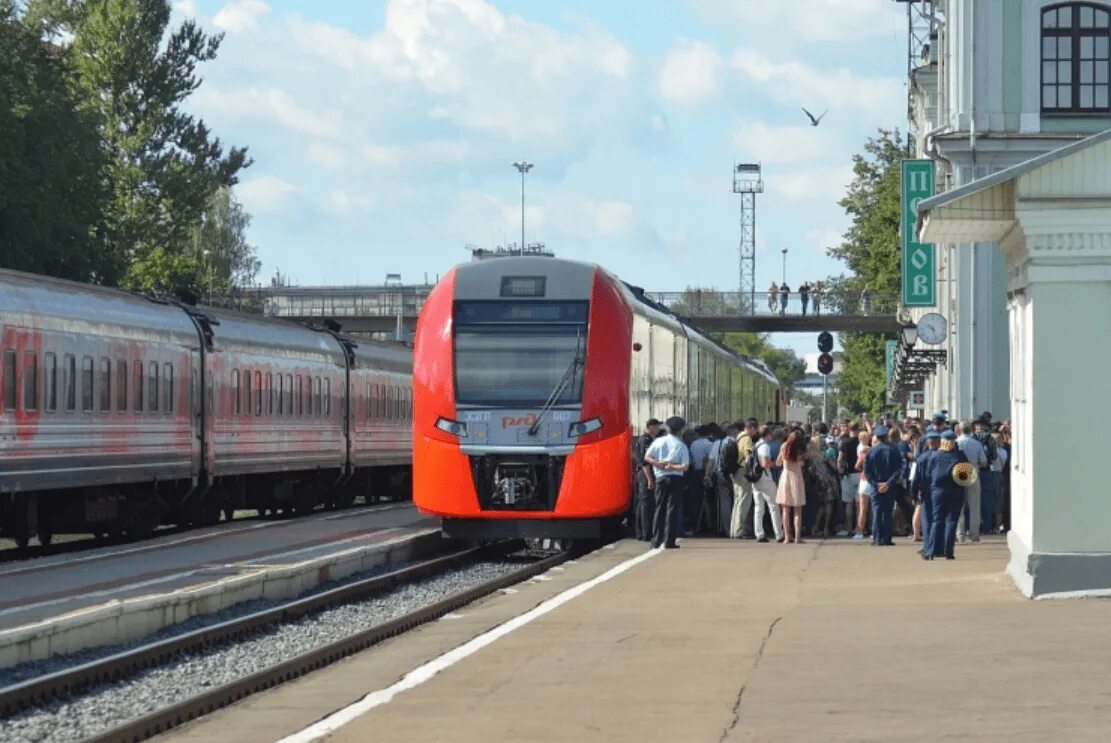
[(707, 441), (669, 458), (764, 488)]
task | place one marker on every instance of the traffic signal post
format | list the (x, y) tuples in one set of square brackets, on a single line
[(825, 366)]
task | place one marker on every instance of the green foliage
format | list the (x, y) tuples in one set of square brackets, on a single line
[(225, 259), (870, 249), (99, 129), (783, 362)]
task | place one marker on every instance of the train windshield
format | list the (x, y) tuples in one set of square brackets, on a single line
[(502, 361)]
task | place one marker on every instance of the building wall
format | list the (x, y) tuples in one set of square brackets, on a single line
[(985, 98)]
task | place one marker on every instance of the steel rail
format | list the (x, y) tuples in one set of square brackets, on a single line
[(164, 719), (129, 662)]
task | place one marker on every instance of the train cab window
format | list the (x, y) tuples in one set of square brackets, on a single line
[(327, 398), (121, 385), (316, 406), (9, 380), (87, 384), (70, 380), (152, 387), (105, 382), (30, 381), (270, 393), (137, 387), (300, 396), (258, 393), (50, 383), (167, 388), (237, 390)]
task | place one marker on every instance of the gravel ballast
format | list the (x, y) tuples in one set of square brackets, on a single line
[(103, 707)]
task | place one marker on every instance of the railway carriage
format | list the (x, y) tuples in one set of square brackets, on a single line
[(122, 411), (97, 407), (532, 376)]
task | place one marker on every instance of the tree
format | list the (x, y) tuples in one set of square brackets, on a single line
[(783, 362), (163, 166), (870, 249), (51, 191), (226, 260)]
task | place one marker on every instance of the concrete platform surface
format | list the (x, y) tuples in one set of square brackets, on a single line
[(723, 640)]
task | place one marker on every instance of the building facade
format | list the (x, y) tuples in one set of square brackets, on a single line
[(996, 83)]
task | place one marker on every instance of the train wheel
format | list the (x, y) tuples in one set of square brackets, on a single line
[(344, 498), (44, 528)]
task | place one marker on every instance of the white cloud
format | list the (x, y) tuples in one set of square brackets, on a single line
[(785, 143), (340, 201), (268, 104), (240, 15), (612, 217), (825, 185), (326, 156), (840, 90), (185, 7), (265, 194), (690, 74), (790, 22)]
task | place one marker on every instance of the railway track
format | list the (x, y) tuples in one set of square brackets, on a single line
[(78, 682)]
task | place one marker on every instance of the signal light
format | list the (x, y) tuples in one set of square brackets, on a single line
[(825, 364), (825, 342)]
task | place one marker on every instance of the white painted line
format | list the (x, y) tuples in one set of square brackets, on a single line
[(423, 673)]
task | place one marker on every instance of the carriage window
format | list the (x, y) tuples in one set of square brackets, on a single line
[(368, 399), (327, 398), (316, 406), (258, 393), (9, 380), (300, 397), (50, 383), (105, 385), (289, 394), (270, 392), (30, 381), (281, 395), (70, 372), (137, 391), (121, 385), (238, 390), (168, 388), (246, 406), (152, 387), (87, 382)]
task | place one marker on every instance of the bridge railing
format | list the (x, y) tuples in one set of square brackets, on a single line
[(766, 304)]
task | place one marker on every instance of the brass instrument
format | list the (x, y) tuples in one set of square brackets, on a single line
[(965, 474)]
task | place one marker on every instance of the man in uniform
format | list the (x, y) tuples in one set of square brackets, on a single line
[(883, 466), (920, 486), (645, 482), (947, 498), (669, 458)]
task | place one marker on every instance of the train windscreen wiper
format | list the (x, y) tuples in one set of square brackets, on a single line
[(565, 380)]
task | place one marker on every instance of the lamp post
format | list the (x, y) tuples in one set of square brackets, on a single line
[(208, 269), (784, 251), (394, 279), (523, 167)]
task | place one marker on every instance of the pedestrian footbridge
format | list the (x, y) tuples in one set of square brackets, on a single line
[(766, 312)]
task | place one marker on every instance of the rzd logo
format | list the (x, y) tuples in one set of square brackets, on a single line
[(509, 421)]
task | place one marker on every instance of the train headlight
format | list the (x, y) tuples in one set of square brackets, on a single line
[(581, 428), (455, 428)]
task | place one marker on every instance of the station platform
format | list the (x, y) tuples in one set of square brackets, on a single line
[(722, 641)]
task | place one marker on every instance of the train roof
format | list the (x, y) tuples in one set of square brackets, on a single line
[(77, 307), (385, 355), (233, 330)]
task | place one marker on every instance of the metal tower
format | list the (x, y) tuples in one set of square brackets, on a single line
[(922, 27), (747, 182)]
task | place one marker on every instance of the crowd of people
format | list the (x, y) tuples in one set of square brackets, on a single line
[(810, 298), (858, 480)]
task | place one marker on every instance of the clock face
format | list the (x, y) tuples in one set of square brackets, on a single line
[(932, 328)]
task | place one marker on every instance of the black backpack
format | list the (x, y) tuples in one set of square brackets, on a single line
[(751, 469), (991, 450), (729, 460)]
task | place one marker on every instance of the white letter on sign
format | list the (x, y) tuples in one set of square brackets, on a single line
[(919, 259), (921, 289)]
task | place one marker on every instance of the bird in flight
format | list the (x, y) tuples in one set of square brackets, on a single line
[(814, 121)]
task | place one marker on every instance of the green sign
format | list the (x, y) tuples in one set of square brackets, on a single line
[(919, 259), (892, 349)]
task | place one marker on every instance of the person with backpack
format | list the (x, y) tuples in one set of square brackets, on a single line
[(759, 466), (740, 526), (720, 467)]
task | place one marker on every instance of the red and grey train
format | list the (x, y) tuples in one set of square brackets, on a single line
[(531, 377), (120, 412)]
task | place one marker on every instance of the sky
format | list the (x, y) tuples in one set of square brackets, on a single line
[(383, 132)]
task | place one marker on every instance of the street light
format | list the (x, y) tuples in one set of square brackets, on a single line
[(208, 266), (910, 335), (523, 167), (784, 265), (394, 279)]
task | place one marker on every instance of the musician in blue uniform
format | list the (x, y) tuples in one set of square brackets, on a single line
[(920, 485), (883, 466), (946, 498)]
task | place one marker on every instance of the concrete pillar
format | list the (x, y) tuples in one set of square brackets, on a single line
[(1059, 305)]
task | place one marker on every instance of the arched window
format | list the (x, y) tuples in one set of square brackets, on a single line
[(1076, 58)]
